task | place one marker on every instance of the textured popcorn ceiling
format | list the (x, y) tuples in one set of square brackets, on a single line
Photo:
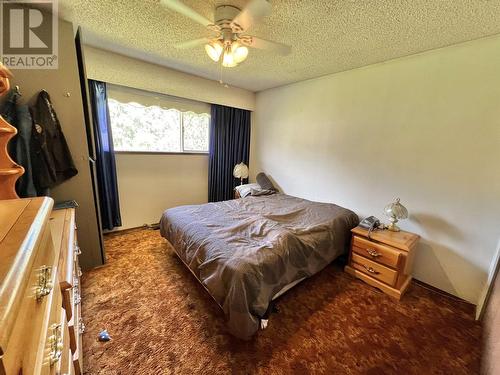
[(327, 36)]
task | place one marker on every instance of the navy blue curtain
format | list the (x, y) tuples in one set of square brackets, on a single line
[(229, 145), (105, 156)]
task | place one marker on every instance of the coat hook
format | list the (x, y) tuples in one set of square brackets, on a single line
[(68, 94)]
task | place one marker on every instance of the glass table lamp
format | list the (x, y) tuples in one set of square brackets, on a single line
[(395, 211)]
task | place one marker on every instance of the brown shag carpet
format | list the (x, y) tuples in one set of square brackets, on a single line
[(162, 322)]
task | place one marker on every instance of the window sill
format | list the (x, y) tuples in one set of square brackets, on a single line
[(160, 153)]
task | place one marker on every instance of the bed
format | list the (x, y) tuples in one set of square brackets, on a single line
[(248, 251)]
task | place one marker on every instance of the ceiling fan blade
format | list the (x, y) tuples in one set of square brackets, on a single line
[(259, 43), (252, 13), (183, 9), (192, 43)]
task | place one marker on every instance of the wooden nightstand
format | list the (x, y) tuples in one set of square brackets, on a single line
[(384, 261)]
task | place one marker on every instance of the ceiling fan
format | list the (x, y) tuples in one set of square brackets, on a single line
[(230, 40)]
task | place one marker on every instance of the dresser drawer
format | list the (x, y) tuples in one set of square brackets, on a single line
[(78, 328), (66, 366), (377, 252), (62, 226), (57, 342), (373, 269), (75, 319), (78, 325), (50, 352)]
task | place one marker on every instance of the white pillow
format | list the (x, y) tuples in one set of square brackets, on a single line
[(246, 189)]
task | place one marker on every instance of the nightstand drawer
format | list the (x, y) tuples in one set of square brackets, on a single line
[(375, 270), (377, 252)]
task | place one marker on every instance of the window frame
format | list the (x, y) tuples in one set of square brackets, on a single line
[(201, 153), (194, 152)]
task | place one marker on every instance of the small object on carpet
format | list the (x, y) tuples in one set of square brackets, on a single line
[(104, 336), (263, 323)]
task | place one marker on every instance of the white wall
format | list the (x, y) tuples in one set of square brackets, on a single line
[(150, 183), (425, 128)]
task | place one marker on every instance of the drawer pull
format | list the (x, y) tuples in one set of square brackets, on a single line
[(56, 344), (79, 273), (371, 270), (78, 251), (45, 285), (81, 326), (373, 253), (77, 298)]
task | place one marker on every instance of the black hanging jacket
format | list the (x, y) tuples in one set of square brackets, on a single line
[(51, 158), (20, 146)]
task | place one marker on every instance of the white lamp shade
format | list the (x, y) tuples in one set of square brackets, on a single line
[(214, 50), (228, 59), (240, 170), (240, 52)]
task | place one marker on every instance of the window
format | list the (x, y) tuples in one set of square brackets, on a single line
[(195, 131), (145, 122)]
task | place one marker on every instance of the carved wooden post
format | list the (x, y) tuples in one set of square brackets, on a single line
[(10, 171)]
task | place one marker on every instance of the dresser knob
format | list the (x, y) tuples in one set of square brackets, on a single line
[(76, 298), (373, 253), (81, 326), (371, 270)]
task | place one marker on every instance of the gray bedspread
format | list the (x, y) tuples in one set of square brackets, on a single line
[(246, 250)]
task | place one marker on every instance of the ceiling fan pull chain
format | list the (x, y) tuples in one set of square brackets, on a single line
[(220, 75)]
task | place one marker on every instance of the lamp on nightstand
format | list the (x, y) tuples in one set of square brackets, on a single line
[(240, 171), (395, 211)]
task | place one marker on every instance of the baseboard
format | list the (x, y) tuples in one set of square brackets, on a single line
[(440, 291), (145, 226), (494, 267)]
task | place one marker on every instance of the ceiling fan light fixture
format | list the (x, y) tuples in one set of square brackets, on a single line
[(228, 60), (214, 50), (231, 25), (240, 52)]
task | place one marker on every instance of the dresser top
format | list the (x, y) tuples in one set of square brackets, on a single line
[(10, 210), (401, 240), (17, 221)]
